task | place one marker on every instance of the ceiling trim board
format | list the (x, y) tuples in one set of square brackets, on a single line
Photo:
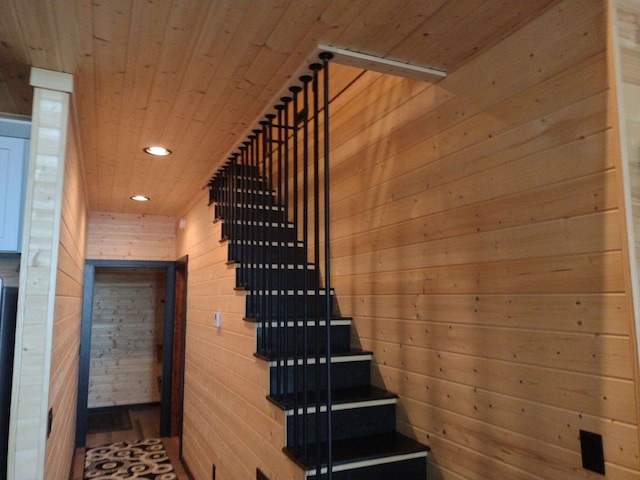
[(383, 65)]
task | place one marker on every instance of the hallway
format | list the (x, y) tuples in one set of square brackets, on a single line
[(145, 423)]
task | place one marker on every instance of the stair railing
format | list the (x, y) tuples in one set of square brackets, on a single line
[(290, 153)]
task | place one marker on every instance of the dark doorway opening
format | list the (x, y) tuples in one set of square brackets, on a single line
[(164, 350)]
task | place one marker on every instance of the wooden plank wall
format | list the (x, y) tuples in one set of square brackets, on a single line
[(628, 32), (128, 236), (63, 381), (227, 419), (38, 277), (477, 243), (126, 332)]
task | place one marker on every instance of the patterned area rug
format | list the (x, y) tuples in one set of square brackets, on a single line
[(140, 460)]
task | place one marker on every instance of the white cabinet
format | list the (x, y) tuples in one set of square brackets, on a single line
[(14, 153)]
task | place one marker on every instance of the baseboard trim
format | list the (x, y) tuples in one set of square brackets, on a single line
[(187, 470)]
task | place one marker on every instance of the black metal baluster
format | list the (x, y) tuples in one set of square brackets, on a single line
[(251, 242), (225, 192), (234, 213), (315, 68), (305, 242), (280, 236), (325, 57), (264, 251), (270, 284), (228, 213), (289, 301), (292, 256), (249, 207), (242, 213)]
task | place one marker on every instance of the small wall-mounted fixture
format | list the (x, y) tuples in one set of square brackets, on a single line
[(157, 151), (139, 198), (592, 451)]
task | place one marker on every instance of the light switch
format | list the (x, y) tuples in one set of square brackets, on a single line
[(217, 319)]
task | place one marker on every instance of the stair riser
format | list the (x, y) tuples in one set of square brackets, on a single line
[(247, 182), (345, 424), (270, 232), (231, 172), (294, 255), (343, 375), (340, 339), (414, 469), (273, 307), (275, 279), (253, 193), (238, 168), (265, 214)]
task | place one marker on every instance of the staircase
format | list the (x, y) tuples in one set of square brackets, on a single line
[(286, 299)]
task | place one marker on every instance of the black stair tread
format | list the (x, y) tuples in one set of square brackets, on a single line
[(341, 396), (361, 449), (297, 292), (338, 356), (310, 321), (281, 265)]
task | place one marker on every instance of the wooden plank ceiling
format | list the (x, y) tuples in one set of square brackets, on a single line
[(194, 76)]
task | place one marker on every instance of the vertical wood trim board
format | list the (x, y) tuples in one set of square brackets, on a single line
[(36, 300), (478, 244), (63, 382)]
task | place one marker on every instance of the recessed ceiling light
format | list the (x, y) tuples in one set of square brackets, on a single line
[(157, 151), (139, 198)]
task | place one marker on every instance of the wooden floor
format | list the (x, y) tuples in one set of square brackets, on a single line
[(145, 424)]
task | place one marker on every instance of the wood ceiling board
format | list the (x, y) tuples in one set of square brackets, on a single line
[(183, 25), (14, 74), (111, 22), (143, 61), (570, 20), (181, 128), (336, 17), (71, 37), (419, 44), (378, 29), (39, 32), (474, 32), (220, 66), (169, 35), (197, 79), (83, 101)]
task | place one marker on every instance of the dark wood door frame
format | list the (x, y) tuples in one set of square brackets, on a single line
[(85, 341), (180, 338)]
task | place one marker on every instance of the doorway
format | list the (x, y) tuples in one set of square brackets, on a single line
[(160, 343)]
